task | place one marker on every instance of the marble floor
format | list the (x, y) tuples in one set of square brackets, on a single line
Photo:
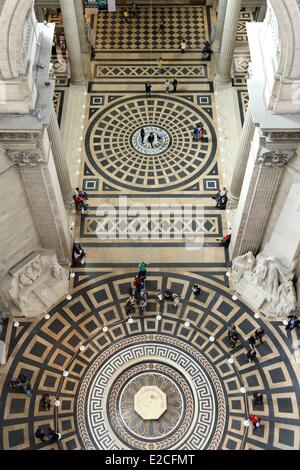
[(182, 350)]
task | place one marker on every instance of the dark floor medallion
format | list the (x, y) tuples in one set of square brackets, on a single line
[(115, 395), (161, 142)]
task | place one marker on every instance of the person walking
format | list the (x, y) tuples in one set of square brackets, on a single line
[(126, 15), (259, 333), (160, 65), (232, 335), (148, 88), (183, 46), (134, 10), (142, 306), (258, 398), (142, 135), (175, 82), (39, 434), (143, 269), (251, 355), (207, 51), (196, 134), (252, 341), (151, 139), (159, 295), (255, 420), (292, 323), (176, 299), (201, 133), (167, 85), (196, 289)]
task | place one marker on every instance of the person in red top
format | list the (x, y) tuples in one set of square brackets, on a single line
[(255, 420), (138, 282)]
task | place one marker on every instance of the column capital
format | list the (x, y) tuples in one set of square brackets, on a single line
[(275, 158), (28, 158)]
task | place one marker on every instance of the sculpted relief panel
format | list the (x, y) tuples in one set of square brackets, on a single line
[(264, 283), (35, 285)]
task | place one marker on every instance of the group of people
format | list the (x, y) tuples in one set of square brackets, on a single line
[(169, 296), (80, 199), (198, 133), (22, 383), (50, 435), (151, 137), (293, 322), (148, 87), (221, 199), (256, 336), (138, 294), (251, 355)]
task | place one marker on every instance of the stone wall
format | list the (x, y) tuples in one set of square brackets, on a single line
[(18, 234)]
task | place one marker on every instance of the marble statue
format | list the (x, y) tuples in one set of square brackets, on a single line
[(265, 284), (35, 284), (58, 272), (286, 298), (241, 265), (33, 271), (24, 280)]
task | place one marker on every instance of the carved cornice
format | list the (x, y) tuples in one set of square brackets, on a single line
[(19, 136), (282, 136), (26, 158), (275, 158)]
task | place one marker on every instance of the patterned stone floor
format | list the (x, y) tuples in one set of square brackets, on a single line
[(184, 350), (45, 349)]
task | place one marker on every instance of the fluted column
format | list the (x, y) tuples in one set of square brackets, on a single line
[(41, 184), (73, 41), (81, 26), (255, 208), (241, 160), (59, 158), (228, 42), (220, 25)]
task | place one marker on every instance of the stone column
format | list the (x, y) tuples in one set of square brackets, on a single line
[(42, 188), (258, 201), (220, 25), (73, 41), (262, 13), (81, 26), (59, 158), (228, 42), (241, 160)]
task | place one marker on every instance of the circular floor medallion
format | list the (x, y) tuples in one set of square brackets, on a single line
[(195, 404), (115, 149), (162, 140)]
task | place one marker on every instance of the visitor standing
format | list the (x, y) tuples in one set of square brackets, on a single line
[(126, 15), (39, 434), (160, 65), (183, 46), (201, 133), (148, 88), (151, 139), (255, 420), (142, 135), (251, 355), (258, 398), (196, 289), (259, 333), (167, 85), (175, 82)]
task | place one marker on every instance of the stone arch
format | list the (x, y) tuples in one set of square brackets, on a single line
[(13, 14)]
